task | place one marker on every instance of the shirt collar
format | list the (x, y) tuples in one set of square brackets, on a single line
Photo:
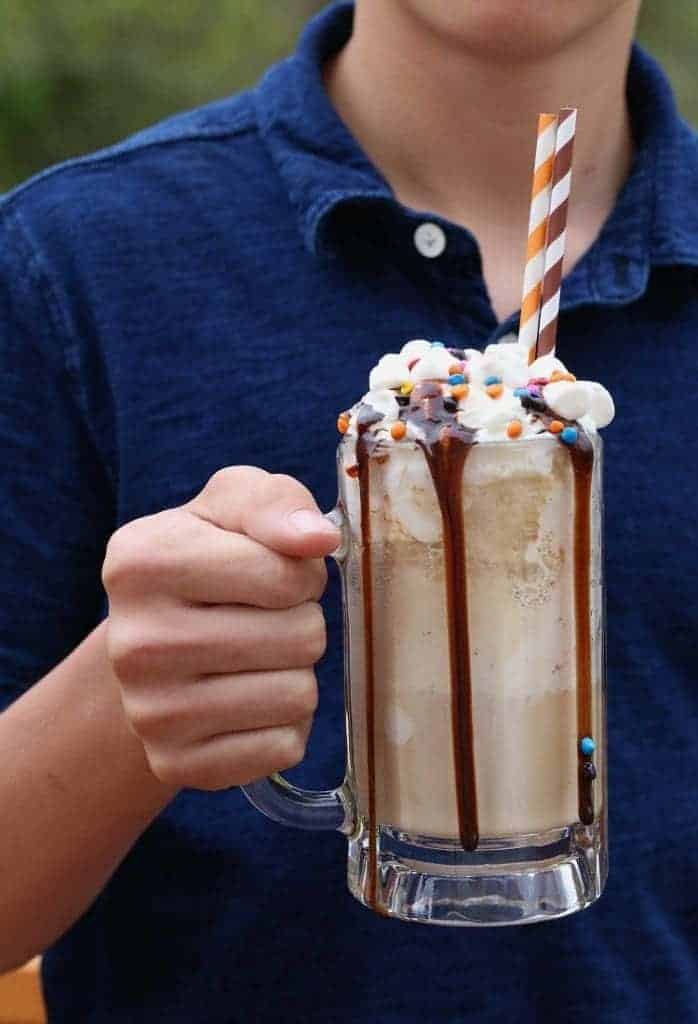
[(654, 222)]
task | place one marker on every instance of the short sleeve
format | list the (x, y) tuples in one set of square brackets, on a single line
[(55, 496)]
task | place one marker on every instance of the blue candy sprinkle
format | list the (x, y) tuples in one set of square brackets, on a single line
[(587, 745), (521, 392), (569, 435), (437, 344), (456, 378), (492, 380)]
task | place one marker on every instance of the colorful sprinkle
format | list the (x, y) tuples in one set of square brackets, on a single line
[(533, 390), (569, 435), (558, 375), (437, 344), (539, 381), (493, 379), (494, 390), (456, 378), (587, 745), (514, 429), (406, 388), (455, 367), (412, 363), (520, 392), (398, 430), (556, 427), (460, 391), (342, 424)]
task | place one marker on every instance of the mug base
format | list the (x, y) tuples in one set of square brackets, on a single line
[(508, 880)]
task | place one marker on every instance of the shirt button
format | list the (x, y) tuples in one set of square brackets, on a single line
[(429, 240)]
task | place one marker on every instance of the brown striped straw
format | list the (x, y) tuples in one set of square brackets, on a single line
[(557, 225), (537, 230)]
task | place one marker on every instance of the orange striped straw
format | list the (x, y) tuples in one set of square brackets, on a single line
[(537, 229), (557, 226)]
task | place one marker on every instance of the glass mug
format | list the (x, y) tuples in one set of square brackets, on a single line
[(475, 791)]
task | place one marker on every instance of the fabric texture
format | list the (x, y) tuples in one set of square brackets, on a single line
[(213, 291)]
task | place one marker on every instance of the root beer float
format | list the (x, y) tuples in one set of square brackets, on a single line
[(472, 482)]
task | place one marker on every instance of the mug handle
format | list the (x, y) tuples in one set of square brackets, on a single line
[(278, 799)]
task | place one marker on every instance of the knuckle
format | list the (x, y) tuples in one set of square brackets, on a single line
[(164, 766), (133, 651), (284, 484), (138, 554), (238, 478), (117, 555), (148, 717)]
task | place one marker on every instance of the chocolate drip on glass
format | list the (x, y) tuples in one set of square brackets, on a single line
[(582, 456), (446, 445), (365, 445)]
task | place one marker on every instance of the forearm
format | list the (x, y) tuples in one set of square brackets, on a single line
[(75, 793)]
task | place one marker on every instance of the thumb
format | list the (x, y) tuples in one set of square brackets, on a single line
[(276, 510)]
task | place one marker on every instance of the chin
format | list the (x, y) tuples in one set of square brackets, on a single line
[(513, 29)]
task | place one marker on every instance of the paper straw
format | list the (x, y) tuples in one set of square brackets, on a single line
[(537, 227), (557, 224)]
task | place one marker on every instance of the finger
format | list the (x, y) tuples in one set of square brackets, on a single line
[(202, 563), (218, 639), (184, 713), (275, 510), (233, 759)]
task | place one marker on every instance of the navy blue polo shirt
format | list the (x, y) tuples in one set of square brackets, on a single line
[(212, 292)]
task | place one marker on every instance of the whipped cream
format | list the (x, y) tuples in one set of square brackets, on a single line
[(495, 394)]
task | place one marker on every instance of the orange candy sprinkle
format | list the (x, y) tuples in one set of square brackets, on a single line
[(342, 423), (556, 427), (398, 430), (494, 390), (514, 429), (455, 368), (459, 391), (557, 375)]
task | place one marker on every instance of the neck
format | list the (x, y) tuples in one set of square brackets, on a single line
[(453, 131)]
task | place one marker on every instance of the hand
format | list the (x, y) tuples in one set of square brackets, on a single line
[(214, 627)]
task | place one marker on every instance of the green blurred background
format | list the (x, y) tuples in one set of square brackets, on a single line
[(78, 74)]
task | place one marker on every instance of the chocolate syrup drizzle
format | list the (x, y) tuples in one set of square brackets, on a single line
[(365, 445), (582, 456), (446, 445)]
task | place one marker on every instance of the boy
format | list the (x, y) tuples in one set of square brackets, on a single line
[(208, 295)]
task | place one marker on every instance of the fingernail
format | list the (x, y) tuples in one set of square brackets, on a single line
[(304, 520)]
